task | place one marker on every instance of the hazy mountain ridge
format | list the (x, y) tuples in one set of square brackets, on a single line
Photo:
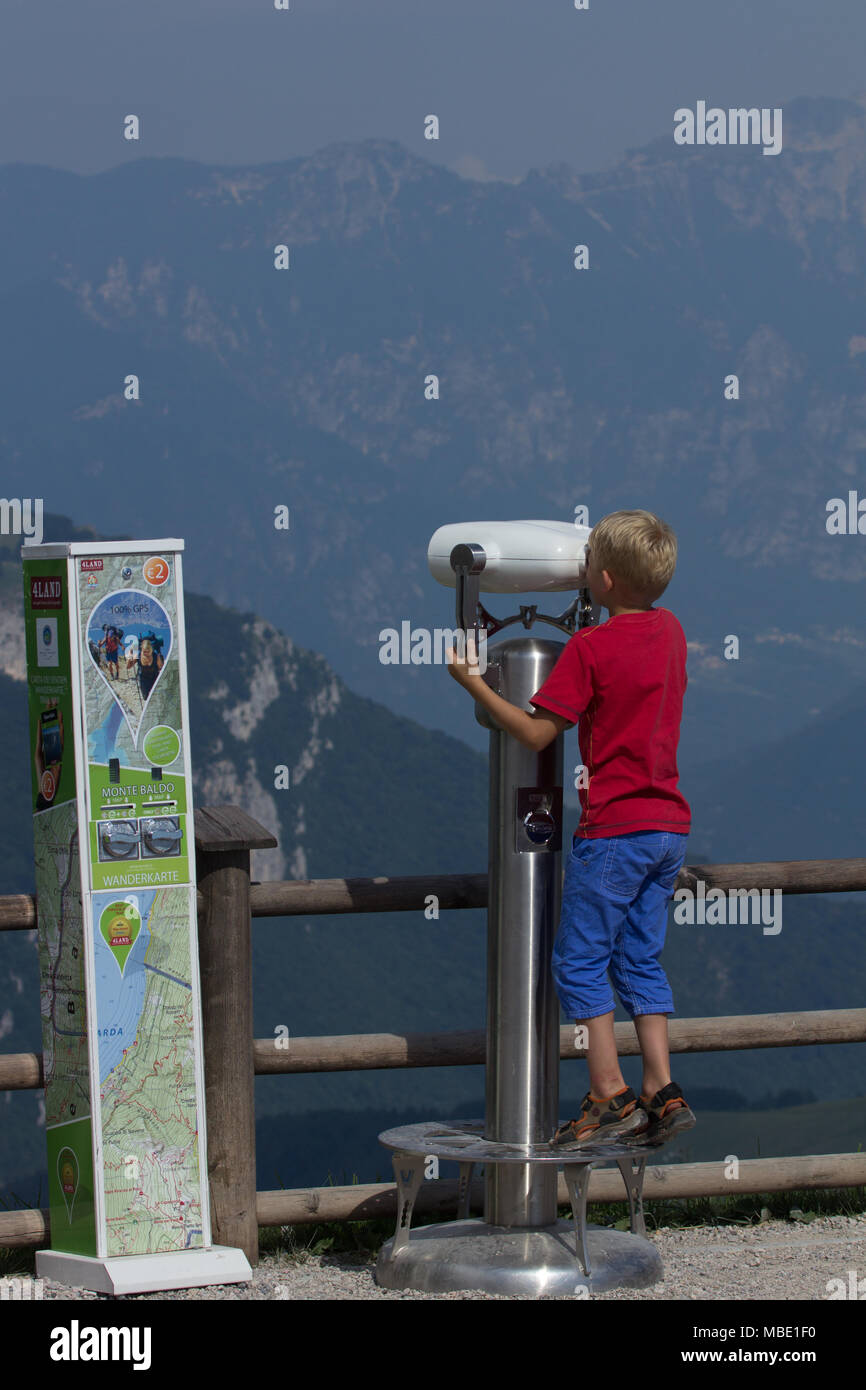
[(822, 139), (557, 388)]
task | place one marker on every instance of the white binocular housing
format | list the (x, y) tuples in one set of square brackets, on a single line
[(519, 556)]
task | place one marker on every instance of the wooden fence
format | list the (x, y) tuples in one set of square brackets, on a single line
[(227, 903)]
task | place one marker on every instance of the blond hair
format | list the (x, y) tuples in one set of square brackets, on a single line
[(636, 548)]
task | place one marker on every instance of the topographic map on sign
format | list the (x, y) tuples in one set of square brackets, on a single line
[(63, 1000), (144, 1027)]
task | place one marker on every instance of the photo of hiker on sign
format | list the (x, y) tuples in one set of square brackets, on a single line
[(129, 638)]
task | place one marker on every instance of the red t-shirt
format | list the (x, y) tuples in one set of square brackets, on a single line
[(623, 683)]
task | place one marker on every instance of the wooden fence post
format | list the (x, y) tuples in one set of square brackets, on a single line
[(224, 836)]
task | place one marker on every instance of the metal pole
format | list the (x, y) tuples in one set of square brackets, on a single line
[(525, 843), (519, 1247)]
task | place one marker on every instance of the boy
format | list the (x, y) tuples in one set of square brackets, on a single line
[(624, 681)]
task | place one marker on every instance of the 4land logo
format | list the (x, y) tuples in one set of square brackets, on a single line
[(46, 591)]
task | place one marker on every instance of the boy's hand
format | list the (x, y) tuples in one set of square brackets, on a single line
[(465, 671), (535, 730)]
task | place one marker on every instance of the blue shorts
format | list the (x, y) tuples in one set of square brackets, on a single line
[(614, 917)]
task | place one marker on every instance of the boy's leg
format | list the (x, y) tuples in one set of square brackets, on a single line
[(638, 977), (605, 1077), (652, 1032), (589, 925), (609, 1110), (645, 868)]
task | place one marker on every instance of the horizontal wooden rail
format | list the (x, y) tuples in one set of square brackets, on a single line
[(438, 1197), (333, 895), (328, 896), (789, 875), (362, 1202), (22, 1071), (369, 1051), (18, 912)]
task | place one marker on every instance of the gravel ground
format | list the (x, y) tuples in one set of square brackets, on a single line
[(776, 1260)]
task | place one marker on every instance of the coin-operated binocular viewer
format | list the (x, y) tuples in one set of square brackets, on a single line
[(519, 1246)]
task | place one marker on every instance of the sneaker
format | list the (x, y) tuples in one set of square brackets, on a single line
[(600, 1120), (666, 1113)]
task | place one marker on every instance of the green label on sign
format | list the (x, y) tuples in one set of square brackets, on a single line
[(70, 1188), (161, 745), (120, 924), (67, 1174)]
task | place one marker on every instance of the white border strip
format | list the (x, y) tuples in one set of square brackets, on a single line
[(53, 550), (81, 787), (195, 978)]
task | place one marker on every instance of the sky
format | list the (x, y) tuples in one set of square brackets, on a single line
[(516, 84)]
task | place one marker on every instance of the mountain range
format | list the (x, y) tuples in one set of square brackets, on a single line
[(605, 387), (260, 389)]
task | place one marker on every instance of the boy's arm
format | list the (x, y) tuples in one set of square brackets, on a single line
[(535, 730)]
